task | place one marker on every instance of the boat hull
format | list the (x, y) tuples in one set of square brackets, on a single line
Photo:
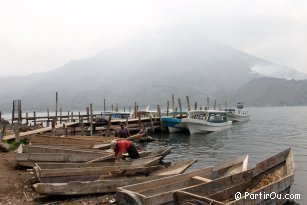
[(237, 118), (203, 126), (174, 124)]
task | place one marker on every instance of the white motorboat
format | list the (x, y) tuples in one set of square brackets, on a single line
[(238, 114), (199, 121)]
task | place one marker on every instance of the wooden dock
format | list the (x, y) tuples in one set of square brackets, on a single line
[(37, 131)]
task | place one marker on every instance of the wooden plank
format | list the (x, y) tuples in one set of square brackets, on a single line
[(37, 131)]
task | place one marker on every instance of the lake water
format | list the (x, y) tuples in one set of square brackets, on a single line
[(269, 131)]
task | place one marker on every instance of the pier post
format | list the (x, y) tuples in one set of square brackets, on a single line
[(180, 108), (226, 104), (104, 106), (27, 119), (16, 131), (56, 107), (160, 119), (88, 114), (64, 130), (60, 115), (188, 103), (72, 117), (135, 109), (195, 106), (34, 118), (82, 126), (47, 117), (68, 119), (152, 125), (167, 108), (91, 110), (109, 124), (173, 102), (79, 116), (53, 126), (214, 106)]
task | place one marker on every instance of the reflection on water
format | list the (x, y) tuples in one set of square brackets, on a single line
[(269, 131)]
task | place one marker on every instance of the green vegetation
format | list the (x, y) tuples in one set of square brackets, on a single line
[(14, 145)]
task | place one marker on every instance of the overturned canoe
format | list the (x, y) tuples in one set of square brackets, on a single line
[(65, 172), (161, 190), (273, 175), (107, 185)]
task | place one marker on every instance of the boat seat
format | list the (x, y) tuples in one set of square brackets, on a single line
[(202, 179)]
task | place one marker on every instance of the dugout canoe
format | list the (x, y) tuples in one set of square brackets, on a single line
[(65, 172), (161, 190), (107, 184), (273, 175)]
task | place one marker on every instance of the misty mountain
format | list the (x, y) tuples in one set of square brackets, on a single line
[(272, 92), (146, 70)]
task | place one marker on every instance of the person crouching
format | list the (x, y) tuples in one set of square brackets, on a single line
[(122, 146)]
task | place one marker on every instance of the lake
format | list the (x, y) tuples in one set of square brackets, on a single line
[(269, 131)]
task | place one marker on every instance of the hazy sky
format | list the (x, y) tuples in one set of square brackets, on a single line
[(40, 35)]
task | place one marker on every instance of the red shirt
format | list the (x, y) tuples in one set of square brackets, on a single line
[(122, 146)]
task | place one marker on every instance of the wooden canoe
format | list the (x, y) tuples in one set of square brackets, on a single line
[(161, 190), (107, 185), (68, 140), (274, 174), (24, 158), (51, 149), (65, 172)]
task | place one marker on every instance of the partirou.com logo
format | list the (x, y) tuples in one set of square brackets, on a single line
[(264, 196)]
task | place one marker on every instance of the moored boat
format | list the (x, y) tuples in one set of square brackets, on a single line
[(273, 175), (201, 121), (161, 191), (107, 184), (238, 114), (174, 121)]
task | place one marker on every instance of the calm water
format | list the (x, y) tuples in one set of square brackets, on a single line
[(269, 131)]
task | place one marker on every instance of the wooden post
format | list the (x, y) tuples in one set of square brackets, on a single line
[(53, 126), (173, 102), (135, 109), (34, 116), (56, 107), (104, 105), (16, 131), (3, 130), (167, 108), (64, 129), (60, 115), (112, 108), (27, 119), (91, 110), (79, 116), (152, 124), (226, 104), (68, 116), (124, 109), (180, 108), (195, 106), (72, 117), (214, 106), (88, 114), (160, 119), (109, 124), (139, 116), (188, 103), (82, 126), (47, 117), (116, 108)]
